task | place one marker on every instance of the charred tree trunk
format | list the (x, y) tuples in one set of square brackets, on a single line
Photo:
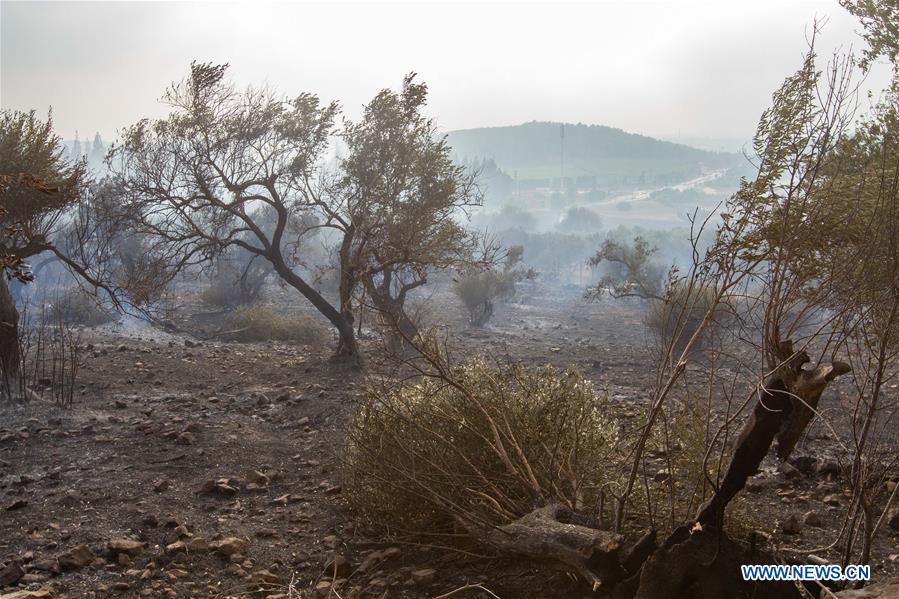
[(346, 345), (699, 560), (392, 308), (698, 564), (9, 341), (780, 413), (807, 390), (347, 276), (771, 412)]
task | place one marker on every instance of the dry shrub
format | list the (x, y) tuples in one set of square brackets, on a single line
[(227, 290), (422, 312), (420, 457), (260, 323), (674, 319), (50, 353), (75, 306), (479, 290), (221, 294)]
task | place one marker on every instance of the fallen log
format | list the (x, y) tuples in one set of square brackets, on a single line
[(548, 534)]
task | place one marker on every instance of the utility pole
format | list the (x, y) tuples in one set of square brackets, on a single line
[(561, 156)]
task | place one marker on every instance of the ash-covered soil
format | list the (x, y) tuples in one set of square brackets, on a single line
[(193, 468)]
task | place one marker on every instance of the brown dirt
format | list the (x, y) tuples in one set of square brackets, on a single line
[(155, 419)]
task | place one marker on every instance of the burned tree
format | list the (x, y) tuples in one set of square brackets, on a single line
[(41, 199), (632, 272), (229, 169), (814, 235), (223, 162), (397, 205), (776, 415)]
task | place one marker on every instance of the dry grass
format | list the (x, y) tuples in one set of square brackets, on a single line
[(74, 306), (677, 317), (261, 323)]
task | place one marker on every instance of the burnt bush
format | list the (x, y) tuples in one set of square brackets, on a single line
[(487, 447), (676, 317), (234, 283), (480, 290), (260, 323), (74, 306)]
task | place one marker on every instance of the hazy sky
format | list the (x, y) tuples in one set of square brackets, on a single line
[(659, 68)]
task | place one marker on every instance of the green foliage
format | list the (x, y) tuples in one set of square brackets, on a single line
[(817, 226), (48, 205), (418, 455), (401, 189), (37, 185), (208, 148), (864, 166), (398, 204), (28, 145), (880, 21), (260, 323)]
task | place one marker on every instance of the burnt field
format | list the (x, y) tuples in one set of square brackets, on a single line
[(206, 468), (315, 324)]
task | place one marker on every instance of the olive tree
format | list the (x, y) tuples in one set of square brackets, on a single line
[(398, 204), (247, 169), (632, 271), (221, 165), (42, 211)]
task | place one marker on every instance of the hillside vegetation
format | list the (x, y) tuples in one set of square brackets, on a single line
[(611, 155)]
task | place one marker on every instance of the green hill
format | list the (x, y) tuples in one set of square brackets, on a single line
[(533, 151)]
